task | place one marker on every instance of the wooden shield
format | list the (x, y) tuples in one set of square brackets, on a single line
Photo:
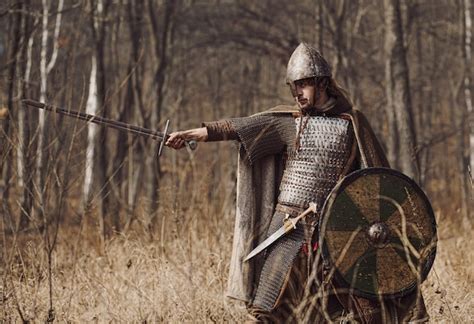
[(378, 232)]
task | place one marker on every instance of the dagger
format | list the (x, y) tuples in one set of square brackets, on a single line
[(137, 130), (288, 225)]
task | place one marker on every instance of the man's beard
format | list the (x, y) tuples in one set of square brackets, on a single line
[(304, 103), (309, 105)]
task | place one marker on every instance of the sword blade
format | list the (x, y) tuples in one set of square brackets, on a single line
[(99, 120), (267, 242)]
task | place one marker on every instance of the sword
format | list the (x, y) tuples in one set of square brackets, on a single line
[(288, 225), (159, 136)]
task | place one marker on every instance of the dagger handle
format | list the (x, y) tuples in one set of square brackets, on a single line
[(293, 221), (311, 209)]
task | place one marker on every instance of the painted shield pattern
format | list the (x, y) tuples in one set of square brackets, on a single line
[(378, 232)]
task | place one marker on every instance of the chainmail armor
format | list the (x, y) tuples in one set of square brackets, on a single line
[(313, 170), (310, 174), (279, 259), (263, 135)]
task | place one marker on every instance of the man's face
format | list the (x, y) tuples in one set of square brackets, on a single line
[(304, 93)]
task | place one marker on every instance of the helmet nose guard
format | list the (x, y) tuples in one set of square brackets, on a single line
[(306, 62)]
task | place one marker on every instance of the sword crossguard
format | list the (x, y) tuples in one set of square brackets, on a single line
[(165, 137), (313, 206), (293, 222)]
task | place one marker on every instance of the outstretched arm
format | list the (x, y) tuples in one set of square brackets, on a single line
[(221, 130), (177, 139)]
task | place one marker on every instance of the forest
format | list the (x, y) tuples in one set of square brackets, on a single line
[(96, 226)]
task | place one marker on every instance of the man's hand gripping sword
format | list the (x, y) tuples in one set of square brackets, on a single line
[(288, 225)]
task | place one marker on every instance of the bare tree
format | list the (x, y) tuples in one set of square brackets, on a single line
[(399, 111), (162, 41), (24, 148), (126, 148), (344, 19), (467, 123), (6, 155), (99, 12), (46, 66), (91, 108)]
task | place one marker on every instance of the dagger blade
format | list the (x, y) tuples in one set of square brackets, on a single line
[(268, 241), (288, 225)]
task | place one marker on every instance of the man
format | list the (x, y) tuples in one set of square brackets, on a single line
[(290, 157)]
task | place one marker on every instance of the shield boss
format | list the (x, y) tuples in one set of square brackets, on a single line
[(378, 231)]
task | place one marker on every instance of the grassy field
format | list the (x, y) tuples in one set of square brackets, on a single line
[(449, 288), (135, 279)]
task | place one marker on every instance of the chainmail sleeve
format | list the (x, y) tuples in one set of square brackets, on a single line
[(221, 130), (260, 135), (263, 135)]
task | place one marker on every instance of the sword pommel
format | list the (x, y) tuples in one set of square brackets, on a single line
[(192, 144)]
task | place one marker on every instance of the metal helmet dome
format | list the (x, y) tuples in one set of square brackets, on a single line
[(306, 62)]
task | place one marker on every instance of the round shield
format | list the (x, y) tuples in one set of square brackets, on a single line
[(378, 232)]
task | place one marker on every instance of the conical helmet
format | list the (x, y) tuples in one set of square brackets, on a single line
[(306, 62)]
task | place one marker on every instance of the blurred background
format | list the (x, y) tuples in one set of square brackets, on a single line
[(97, 227)]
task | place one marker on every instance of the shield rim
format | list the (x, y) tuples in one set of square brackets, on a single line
[(341, 185)]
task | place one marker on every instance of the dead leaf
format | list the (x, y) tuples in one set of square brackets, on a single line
[(3, 113)]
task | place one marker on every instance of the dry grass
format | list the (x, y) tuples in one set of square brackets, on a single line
[(136, 280), (133, 281), (449, 288)]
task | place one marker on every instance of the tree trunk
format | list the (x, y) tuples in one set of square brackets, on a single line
[(24, 154), (424, 115), (99, 12), (321, 27), (5, 114), (162, 42), (133, 98), (398, 92), (91, 108), (467, 130), (45, 68)]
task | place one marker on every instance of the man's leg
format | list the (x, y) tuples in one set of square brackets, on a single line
[(289, 299)]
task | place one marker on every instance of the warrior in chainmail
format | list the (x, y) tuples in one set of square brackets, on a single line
[(289, 157)]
